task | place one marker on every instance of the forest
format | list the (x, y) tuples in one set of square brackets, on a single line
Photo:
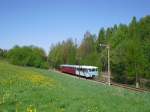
[(129, 51)]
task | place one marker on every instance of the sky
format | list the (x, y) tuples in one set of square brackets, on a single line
[(45, 22)]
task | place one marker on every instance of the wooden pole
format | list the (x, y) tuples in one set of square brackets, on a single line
[(109, 74)]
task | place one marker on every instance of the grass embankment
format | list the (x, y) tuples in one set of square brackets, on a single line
[(23, 89)]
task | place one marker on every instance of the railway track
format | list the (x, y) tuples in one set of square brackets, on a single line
[(130, 88), (125, 86)]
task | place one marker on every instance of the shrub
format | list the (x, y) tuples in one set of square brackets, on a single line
[(27, 56)]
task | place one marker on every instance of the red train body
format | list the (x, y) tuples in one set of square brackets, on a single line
[(69, 70)]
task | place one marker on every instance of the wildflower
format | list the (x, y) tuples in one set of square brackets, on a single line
[(31, 109)]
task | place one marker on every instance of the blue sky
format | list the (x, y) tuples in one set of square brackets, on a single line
[(43, 22)]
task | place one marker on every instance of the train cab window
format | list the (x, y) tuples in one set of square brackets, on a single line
[(90, 70), (93, 70)]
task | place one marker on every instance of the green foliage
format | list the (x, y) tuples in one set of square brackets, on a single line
[(25, 89), (3, 53), (101, 39), (129, 50), (27, 56), (62, 53), (86, 53)]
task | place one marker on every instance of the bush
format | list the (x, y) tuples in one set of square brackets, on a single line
[(27, 56), (44, 65)]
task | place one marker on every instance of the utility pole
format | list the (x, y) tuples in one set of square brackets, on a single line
[(108, 66), (108, 49), (137, 81)]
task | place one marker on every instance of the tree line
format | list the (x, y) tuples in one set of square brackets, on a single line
[(25, 56), (129, 51)]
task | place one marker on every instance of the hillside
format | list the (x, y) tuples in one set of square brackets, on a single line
[(23, 89)]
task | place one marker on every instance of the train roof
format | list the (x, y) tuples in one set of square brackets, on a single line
[(79, 66)]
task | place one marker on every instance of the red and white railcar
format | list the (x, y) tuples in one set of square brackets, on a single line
[(81, 70)]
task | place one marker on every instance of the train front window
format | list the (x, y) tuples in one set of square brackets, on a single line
[(92, 70), (89, 70)]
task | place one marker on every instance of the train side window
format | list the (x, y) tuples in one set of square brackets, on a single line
[(79, 69), (85, 70), (89, 70)]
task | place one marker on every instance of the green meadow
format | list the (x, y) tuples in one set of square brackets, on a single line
[(25, 89)]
